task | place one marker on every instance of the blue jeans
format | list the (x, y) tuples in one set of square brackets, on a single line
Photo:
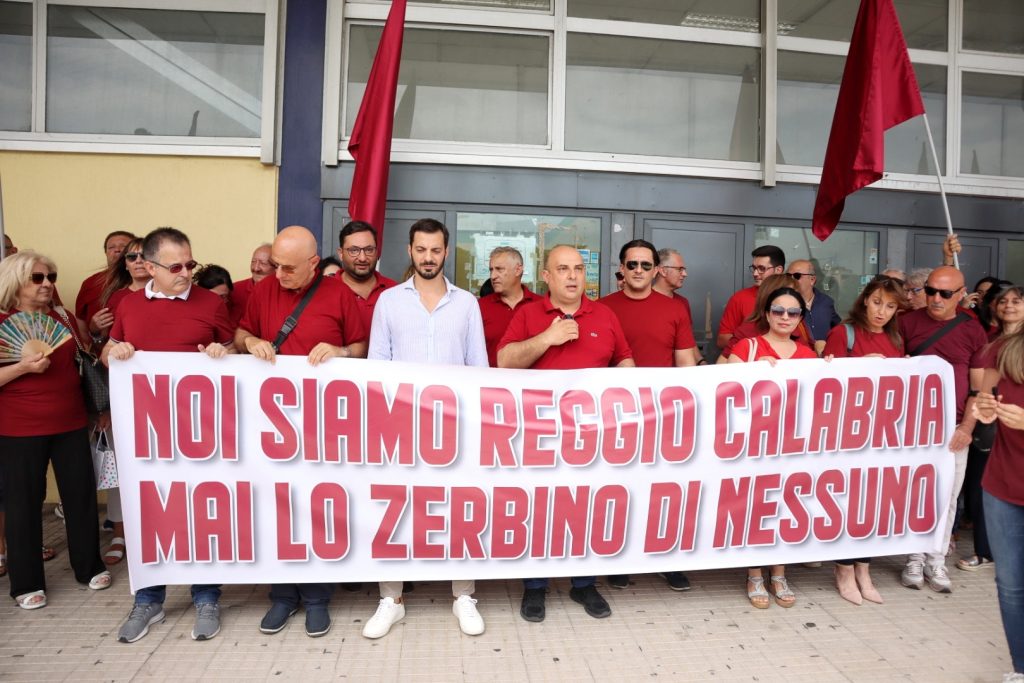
[(202, 593), (1005, 522), (577, 582)]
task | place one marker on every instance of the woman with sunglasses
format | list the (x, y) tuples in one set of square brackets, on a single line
[(869, 331), (42, 421), (781, 313), (757, 322)]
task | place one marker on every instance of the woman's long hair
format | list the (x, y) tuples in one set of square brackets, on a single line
[(15, 273), (858, 315), (118, 276)]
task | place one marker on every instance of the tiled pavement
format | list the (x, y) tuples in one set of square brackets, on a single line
[(707, 634)]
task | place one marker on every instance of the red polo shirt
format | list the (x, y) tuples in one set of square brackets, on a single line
[(88, 300), (601, 342), (739, 307), (655, 327), (366, 306), (177, 324), (239, 300), (497, 315), (330, 316)]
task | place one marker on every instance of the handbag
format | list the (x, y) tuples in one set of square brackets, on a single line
[(103, 461), (95, 387)]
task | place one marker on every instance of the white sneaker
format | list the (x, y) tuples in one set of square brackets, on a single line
[(387, 615), (1013, 678), (470, 621), (938, 579), (913, 573)]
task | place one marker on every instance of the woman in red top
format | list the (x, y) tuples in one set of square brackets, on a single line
[(782, 312), (870, 331), (43, 420), (756, 323)]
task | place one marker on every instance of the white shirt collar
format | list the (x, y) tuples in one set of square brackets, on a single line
[(153, 294)]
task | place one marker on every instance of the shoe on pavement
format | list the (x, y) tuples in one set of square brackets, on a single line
[(277, 617), (532, 606), (387, 615), (974, 563), (318, 621), (938, 578), (139, 620), (913, 574), (207, 621), (677, 581), (592, 602), (1014, 677), (470, 621), (619, 580)]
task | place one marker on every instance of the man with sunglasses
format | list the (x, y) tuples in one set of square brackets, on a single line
[(359, 255), (497, 308), (170, 315), (259, 268), (767, 260), (821, 309), (962, 338)]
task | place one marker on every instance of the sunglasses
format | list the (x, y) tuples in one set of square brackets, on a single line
[(633, 265), (779, 311), (133, 256), (946, 294), (176, 268), (797, 276), (37, 278)]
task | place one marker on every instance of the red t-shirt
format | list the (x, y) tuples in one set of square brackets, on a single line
[(496, 315), (957, 347), (330, 316), (366, 306), (749, 329), (88, 300), (239, 299), (601, 342), (116, 298), (46, 403), (172, 324), (737, 309), (655, 327), (864, 343), (1004, 474), (763, 348)]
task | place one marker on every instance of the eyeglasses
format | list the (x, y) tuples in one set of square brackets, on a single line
[(946, 294), (633, 265), (681, 269), (760, 270), (779, 311), (256, 263), (355, 251), (133, 256), (797, 276), (176, 268), (915, 290), (37, 278)]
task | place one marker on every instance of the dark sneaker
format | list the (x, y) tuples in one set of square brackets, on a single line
[(207, 621), (618, 580), (318, 621), (276, 617), (532, 607), (677, 581), (139, 620), (592, 602)]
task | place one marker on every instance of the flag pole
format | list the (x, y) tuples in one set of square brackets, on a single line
[(942, 189)]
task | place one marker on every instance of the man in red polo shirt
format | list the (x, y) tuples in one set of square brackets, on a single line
[(564, 331), (87, 304), (359, 255), (509, 294), (259, 268), (169, 314), (328, 327), (767, 260)]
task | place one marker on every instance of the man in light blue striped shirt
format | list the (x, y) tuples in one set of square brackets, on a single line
[(427, 319)]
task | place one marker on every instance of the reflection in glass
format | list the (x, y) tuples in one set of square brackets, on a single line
[(460, 86), (661, 98), (994, 26), (729, 15), (534, 236), (494, 4), (923, 21), (16, 61), (992, 125), (1015, 258), (906, 145), (153, 72)]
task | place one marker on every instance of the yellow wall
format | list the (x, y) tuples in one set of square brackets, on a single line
[(64, 204)]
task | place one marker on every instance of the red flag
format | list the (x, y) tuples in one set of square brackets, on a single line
[(879, 90), (370, 144)]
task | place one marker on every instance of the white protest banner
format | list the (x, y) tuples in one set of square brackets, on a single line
[(239, 471)]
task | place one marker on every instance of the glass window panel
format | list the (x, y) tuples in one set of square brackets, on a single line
[(661, 98), (844, 263), (923, 21), (906, 145), (994, 26), (153, 72), (495, 4), (1015, 260), (16, 73), (808, 88), (460, 86), (992, 125), (730, 15), (534, 236)]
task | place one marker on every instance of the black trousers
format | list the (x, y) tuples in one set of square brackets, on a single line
[(976, 462), (23, 460)]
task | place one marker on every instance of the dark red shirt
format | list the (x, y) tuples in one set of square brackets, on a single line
[(49, 402), (330, 316), (737, 309), (172, 325), (750, 329), (116, 298), (366, 306), (239, 299), (655, 327), (601, 342), (88, 300), (1004, 474), (496, 316), (764, 348), (864, 343), (957, 347)]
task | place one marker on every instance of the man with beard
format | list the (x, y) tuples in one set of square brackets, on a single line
[(358, 254), (765, 260), (427, 319)]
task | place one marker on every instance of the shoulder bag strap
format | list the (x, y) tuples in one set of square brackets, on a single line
[(850, 337), (939, 334), (292, 320)]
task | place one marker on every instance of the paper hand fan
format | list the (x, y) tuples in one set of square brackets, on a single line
[(24, 334)]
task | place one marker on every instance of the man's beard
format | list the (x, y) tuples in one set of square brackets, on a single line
[(429, 276)]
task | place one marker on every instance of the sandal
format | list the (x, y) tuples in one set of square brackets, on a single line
[(973, 563), (113, 554), (33, 600), (758, 596), (101, 581), (48, 554), (784, 595)]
